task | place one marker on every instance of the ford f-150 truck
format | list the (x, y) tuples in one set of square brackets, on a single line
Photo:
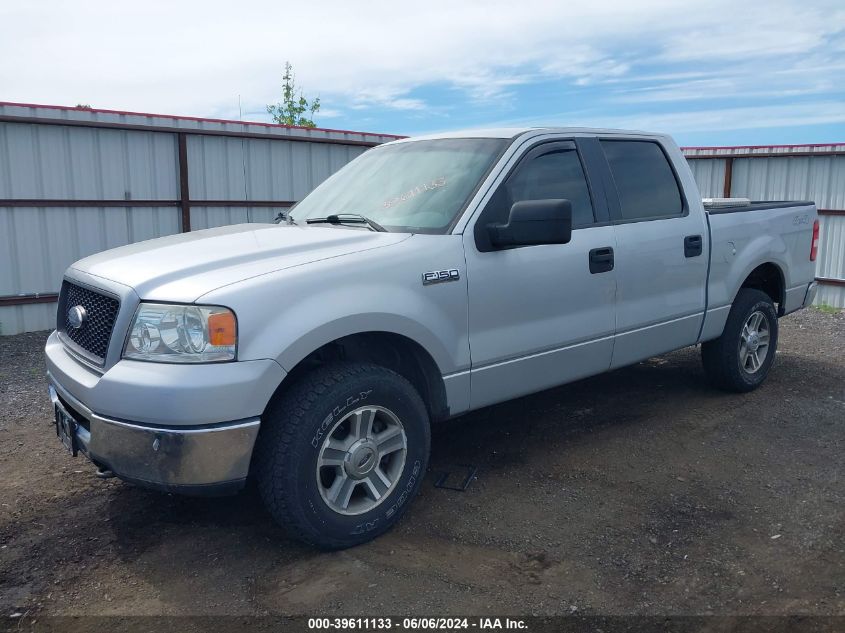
[(427, 278)]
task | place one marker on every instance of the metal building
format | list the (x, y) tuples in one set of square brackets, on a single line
[(786, 172), (77, 181)]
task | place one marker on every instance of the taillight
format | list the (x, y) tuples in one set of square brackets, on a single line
[(814, 249)]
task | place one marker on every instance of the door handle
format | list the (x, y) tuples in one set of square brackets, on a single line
[(692, 245), (601, 260)]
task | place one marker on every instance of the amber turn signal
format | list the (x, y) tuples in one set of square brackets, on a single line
[(222, 330)]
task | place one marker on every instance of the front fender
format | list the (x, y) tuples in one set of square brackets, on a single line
[(287, 315), (361, 323)]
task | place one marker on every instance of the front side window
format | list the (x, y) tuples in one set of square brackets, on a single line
[(415, 186), (645, 183), (554, 175), (546, 174)]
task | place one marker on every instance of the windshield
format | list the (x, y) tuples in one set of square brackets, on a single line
[(415, 186)]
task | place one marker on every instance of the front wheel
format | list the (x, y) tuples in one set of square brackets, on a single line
[(740, 359), (342, 453)]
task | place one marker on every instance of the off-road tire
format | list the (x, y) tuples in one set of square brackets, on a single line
[(292, 435), (721, 357)]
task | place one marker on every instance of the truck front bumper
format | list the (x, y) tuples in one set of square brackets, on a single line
[(179, 428), (199, 461)]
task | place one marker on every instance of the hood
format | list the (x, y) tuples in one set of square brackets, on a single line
[(185, 266)]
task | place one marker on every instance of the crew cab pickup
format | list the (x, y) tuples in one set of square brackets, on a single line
[(427, 278)]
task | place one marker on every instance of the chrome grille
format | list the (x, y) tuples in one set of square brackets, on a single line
[(101, 311)]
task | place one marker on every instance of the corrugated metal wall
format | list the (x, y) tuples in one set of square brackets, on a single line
[(807, 172), (227, 168), (710, 176), (75, 182)]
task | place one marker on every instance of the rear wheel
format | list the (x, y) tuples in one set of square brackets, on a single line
[(740, 359), (342, 453)]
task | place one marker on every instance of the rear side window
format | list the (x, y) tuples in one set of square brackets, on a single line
[(644, 180)]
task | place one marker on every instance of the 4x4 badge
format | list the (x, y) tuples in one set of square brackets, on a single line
[(439, 276)]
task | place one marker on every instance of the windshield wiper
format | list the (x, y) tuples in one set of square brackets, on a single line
[(348, 218)]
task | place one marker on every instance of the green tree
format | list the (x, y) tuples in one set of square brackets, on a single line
[(293, 107)]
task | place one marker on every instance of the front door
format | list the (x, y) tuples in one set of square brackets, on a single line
[(541, 315)]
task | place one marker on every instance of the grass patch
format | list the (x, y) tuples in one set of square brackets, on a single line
[(826, 309)]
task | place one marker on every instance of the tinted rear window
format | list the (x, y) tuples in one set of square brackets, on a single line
[(644, 179)]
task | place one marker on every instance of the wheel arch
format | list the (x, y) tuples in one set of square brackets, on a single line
[(768, 278), (396, 351)]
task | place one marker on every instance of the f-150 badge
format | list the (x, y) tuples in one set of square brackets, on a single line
[(439, 276)]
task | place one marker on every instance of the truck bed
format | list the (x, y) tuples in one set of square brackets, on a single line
[(742, 236)]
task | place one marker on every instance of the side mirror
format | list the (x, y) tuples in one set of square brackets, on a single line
[(533, 222)]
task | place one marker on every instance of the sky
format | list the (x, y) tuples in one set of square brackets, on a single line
[(722, 72)]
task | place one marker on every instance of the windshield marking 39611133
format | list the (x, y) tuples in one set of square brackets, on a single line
[(426, 186)]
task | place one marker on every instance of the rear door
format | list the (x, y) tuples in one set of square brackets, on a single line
[(541, 315), (661, 252)]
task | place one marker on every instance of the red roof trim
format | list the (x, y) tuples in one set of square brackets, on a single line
[(192, 118), (765, 146)]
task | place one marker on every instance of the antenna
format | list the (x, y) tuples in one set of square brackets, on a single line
[(243, 160)]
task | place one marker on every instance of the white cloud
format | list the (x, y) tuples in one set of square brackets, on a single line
[(329, 113), (196, 57), (741, 118), (714, 119), (728, 86)]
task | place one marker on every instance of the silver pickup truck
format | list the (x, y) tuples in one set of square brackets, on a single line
[(429, 277)]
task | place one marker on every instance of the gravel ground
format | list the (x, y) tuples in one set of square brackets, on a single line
[(642, 491)]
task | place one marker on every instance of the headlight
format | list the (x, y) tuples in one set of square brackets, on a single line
[(166, 333)]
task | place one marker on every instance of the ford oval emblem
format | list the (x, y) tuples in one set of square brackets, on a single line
[(76, 316)]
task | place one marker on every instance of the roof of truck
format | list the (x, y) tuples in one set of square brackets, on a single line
[(511, 132)]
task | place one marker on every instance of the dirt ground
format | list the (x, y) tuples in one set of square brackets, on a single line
[(642, 491)]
